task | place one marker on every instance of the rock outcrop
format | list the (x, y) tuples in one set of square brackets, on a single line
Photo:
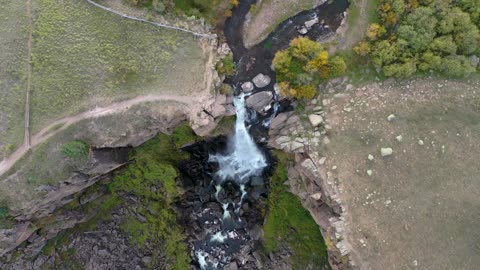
[(309, 178)]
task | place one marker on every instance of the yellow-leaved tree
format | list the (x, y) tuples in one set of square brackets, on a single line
[(304, 65)]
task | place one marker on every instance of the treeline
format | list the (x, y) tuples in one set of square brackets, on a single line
[(424, 36)]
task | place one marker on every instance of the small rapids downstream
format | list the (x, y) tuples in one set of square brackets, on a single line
[(226, 178)]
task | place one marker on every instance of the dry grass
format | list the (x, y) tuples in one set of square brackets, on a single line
[(84, 56), (420, 206), (13, 59)]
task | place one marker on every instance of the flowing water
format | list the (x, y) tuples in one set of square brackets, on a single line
[(243, 158), (229, 176)]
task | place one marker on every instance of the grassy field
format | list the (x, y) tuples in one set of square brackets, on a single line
[(419, 206), (13, 68), (84, 56), (267, 14)]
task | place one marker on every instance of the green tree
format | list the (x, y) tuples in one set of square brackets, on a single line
[(444, 44), (456, 66), (429, 61), (384, 52), (418, 28), (400, 69)]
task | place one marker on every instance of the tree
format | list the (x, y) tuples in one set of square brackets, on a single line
[(400, 69), (429, 61), (302, 65), (320, 60), (384, 52), (444, 44), (375, 31), (282, 60), (418, 28), (363, 48), (456, 66), (304, 48)]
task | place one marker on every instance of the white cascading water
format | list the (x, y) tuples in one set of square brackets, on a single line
[(243, 158), (242, 161)]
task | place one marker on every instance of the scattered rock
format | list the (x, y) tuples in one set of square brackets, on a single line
[(399, 138), (370, 157), (232, 266), (420, 142), (310, 23), (247, 87), (303, 30), (385, 152), (369, 172), (391, 117), (261, 80), (322, 160), (259, 100), (317, 196), (349, 87), (315, 119)]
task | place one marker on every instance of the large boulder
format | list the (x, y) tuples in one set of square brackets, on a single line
[(259, 100), (261, 80), (247, 87)]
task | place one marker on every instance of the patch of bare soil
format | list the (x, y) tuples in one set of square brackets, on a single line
[(418, 207)]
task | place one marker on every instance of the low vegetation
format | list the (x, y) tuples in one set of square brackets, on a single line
[(424, 36), (153, 179), (13, 71), (290, 225), (304, 65), (226, 66), (75, 149)]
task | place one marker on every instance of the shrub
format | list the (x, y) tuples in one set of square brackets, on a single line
[(75, 149), (226, 66)]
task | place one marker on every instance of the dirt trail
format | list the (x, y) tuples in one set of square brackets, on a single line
[(50, 130), (195, 102)]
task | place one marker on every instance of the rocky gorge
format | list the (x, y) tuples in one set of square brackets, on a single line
[(80, 199)]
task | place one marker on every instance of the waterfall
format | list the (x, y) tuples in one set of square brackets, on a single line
[(243, 158)]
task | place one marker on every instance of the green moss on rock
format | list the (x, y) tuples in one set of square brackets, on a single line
[(289, 223)]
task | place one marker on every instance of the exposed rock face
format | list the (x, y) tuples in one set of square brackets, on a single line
[(260, 100), (309, 179), (261, 80)]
